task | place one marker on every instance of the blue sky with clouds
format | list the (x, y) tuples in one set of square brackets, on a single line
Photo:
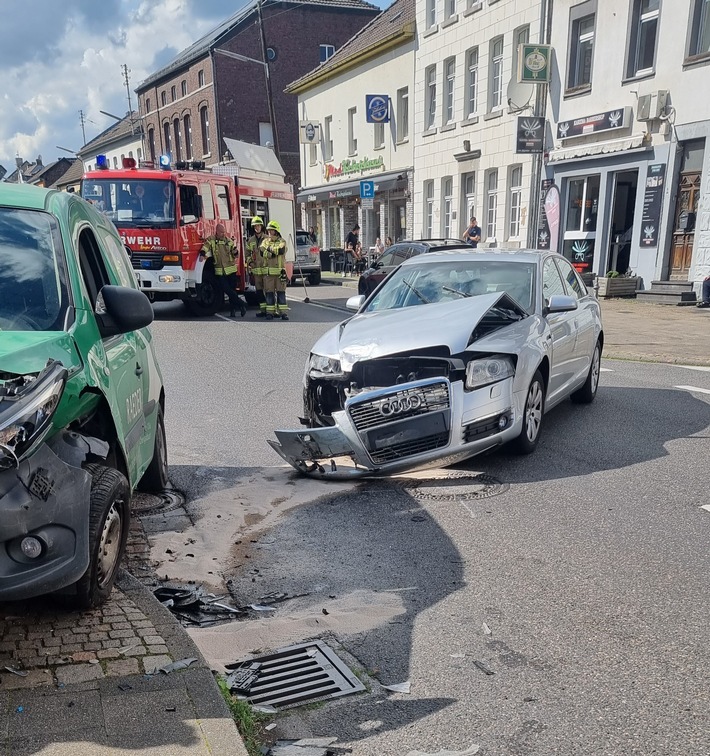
[(57, 58)]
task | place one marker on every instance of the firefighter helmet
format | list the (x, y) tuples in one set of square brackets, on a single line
[(256, 221), (275, 225)]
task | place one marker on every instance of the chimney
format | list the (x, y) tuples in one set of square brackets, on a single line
[(39, 160)]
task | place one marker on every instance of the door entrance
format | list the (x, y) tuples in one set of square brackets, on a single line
[(622, 220), (686, 210)]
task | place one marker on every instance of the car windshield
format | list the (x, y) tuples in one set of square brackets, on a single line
[(445, 281), (133, 203), (303, 239), (33, 285)]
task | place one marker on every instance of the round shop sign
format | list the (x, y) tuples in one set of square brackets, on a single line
[(535, 61), (310, 132), (379, 107)]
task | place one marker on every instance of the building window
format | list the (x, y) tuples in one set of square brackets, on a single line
[(491, 205), (580, 55), (151, 144), (183, 88), (515, 198), (176, 131), (326, 51), (187, 133), (115, 162), (200, 78), (449, 8), (447, 204), (147, 104), (266, 134), (402, 114), (166, 137), (139, 154), (495, 80), (582, 207), (471, 82), (205, 129), (430, 13), (430, 79), (700, 29), (379, 136), (352, 141), (521, 36), (428, 209), (449, 89), (327, 138), (163, 98), (173, 94), (642, 38), (468, 196), (312, 154)]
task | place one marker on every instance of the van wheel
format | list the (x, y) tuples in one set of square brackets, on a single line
[(155, 478), (314, 278), (208, 297), (109, 519), (533, 412)]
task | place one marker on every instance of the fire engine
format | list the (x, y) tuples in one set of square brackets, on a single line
[(164, 214)]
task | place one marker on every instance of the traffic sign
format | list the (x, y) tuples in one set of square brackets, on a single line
[(367, 204), (367, 190)]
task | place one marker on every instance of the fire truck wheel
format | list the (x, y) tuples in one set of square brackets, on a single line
[(208, 297)]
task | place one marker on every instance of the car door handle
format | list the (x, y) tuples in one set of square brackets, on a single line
[(139, 369)]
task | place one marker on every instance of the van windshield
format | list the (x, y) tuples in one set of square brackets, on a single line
[(133, 203), (33, 281)]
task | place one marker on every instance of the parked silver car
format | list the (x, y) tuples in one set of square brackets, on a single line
[(307, 262), (453, 354)]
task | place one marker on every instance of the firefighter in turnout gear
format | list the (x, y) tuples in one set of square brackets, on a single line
[(255, 261), (223, 252), (275, 278)]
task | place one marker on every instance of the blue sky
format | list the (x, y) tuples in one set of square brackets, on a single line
[(57, 58)]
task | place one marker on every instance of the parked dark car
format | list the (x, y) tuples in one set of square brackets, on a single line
[(395, 255)]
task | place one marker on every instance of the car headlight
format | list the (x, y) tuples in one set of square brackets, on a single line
[(321, 366), (487, 370), (26, 409)]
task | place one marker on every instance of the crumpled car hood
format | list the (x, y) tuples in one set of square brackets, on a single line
[(27, 352), (378, 334)]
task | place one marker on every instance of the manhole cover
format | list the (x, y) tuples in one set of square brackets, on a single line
[(455, 487), (143, 504), (293, 676)]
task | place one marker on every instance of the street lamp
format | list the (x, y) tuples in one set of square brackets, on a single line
[(265, 64)]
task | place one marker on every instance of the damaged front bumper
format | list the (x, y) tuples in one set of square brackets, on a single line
[(410, 426), (45, 500)]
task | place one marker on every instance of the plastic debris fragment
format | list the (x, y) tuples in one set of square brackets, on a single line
[(404, 687)]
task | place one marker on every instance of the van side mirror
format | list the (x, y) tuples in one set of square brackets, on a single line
[(120, 309)]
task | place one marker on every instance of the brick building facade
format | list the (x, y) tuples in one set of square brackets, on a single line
[(202, 96)]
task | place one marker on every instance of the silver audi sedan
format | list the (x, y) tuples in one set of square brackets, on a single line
[(453, 354)]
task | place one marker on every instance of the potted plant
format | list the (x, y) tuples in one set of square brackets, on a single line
[(616, 284)]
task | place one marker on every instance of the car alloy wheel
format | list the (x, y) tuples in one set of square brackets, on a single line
[(596, 368), (533, 411)]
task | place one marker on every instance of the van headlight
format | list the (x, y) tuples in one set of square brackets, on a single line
[(487, 370), (323, 367), (26, 408)]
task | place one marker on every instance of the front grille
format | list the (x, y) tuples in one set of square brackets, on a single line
[(482, 428), (410, 448), (147, 260), (430, 398)]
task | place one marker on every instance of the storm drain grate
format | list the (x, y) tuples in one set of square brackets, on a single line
[(293, 676), (144, 504)]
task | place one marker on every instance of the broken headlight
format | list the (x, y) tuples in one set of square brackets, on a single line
[(487, 370), (323, 367), (26, 408)]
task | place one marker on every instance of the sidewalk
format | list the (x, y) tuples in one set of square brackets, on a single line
[(88, 685), (634, 330)]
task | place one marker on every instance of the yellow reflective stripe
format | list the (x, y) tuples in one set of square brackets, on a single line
[(228, 270), (273, 271)]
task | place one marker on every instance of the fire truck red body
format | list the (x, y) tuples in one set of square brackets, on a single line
[(164, 215)]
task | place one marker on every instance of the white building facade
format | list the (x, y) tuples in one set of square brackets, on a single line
[(378, 61), (629, 125), (464, 127)]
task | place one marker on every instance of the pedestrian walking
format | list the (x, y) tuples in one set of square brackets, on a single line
[(275, 278), (256, 263), (223, 252)]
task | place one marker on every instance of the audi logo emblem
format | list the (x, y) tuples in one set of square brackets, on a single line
[(400, 405)]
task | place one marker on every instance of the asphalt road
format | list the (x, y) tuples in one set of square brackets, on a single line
[(581, 582)]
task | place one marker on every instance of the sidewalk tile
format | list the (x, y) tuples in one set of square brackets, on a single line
[(79, 673), (78, 714)]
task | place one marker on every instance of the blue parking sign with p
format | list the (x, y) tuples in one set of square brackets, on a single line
[(367, 190)]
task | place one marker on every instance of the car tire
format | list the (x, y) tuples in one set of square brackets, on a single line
[(314, 278), (109, 520), (533, 413), (155, 478), (586, 394), (208, 297)]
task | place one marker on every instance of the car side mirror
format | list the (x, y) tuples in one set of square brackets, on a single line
[(120, 309), (129, 251), (560, 303), (355, 303)]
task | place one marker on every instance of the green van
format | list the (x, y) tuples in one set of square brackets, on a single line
[(81, 397)]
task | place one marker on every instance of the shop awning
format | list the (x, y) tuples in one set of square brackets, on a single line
[(581, 151), (384, 182)]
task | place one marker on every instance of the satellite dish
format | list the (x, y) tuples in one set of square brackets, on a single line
[(519, 94)]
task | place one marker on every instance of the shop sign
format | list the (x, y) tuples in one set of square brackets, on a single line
[(551, 204), (543, 227), (534, 63), (593, 124), (348, 167), (652, 204), (309, 132), (530, 135), (377, 108)]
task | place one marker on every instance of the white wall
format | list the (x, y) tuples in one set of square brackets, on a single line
[(129, 148)]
